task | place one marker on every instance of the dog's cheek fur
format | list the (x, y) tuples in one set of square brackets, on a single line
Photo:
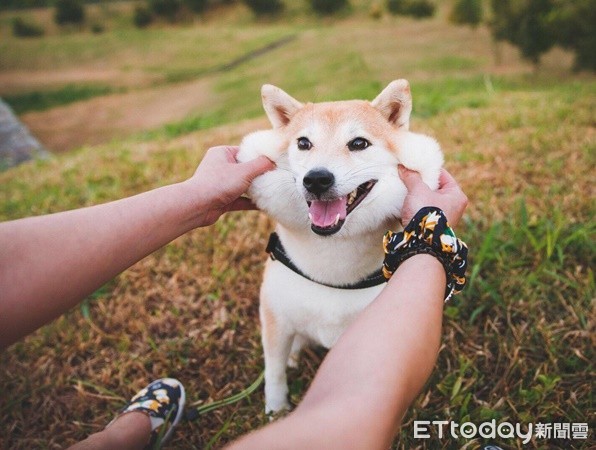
[(421, 153), (274, 192), (269, 143), (417, 152)]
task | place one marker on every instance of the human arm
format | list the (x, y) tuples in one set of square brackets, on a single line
[(50, 263), (370, 377)]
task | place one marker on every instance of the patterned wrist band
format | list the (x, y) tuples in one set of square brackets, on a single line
[(428, 232)]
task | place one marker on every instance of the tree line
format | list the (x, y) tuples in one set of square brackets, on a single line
[(533, 26)]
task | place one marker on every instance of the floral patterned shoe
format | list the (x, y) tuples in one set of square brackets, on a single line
[(163, 401)]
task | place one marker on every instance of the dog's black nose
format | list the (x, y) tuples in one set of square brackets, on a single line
[(318, 181)]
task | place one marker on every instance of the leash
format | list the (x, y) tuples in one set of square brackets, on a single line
[(196, 411), (277, 252)]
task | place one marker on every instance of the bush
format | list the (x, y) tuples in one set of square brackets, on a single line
[(166, 8), (264, 7), (467, 12), (420, 8), (197, 6), (415, 8), (142, 16), (376, 10), (22, 28), (9, 5), (327, 7), (69, 11), (396, 6), (97, 28)]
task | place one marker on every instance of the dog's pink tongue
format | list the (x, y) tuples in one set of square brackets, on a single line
[(323, 214)]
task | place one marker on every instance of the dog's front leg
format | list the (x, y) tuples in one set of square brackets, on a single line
[(277, 342), (298, 343)]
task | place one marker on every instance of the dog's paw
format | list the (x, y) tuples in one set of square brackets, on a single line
[(275, 415), (274, 408)]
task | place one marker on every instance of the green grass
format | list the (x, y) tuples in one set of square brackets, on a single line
[(517, 342), (165, 51), (47, 99)]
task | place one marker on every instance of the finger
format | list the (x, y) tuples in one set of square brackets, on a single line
[(257, 166), (446, 180), (411, 178), (241, 204), (231, 152)]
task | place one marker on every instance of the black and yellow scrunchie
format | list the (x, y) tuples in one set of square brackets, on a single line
[(428, 232)]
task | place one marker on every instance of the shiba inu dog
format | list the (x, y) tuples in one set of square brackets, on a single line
[(334, 193)]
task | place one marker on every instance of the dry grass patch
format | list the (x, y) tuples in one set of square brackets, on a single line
[(517, 345)]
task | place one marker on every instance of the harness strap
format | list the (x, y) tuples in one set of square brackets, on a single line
[(277, 252)]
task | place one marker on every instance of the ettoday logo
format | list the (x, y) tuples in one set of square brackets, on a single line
[(503, 430)]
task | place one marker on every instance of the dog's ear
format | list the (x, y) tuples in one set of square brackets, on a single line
[(395, 103), (279, 106)]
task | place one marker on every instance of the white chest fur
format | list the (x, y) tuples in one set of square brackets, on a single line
[(318, 313)]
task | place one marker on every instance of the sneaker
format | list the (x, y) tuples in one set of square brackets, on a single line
[(163, 401)]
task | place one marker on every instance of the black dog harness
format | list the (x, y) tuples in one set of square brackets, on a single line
[(278, 253)]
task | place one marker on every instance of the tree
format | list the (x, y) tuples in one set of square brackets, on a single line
[(467, 12), (24, 28), (525, 24), (414, 8), (69, 11), (166, 8), (327, 7), (573, 26), (197, 6), (265, 7), (142, 16)]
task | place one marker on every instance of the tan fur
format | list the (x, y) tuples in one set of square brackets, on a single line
[(268, 321)]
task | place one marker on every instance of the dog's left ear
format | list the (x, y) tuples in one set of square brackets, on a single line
[(279, 106), (395, 103)]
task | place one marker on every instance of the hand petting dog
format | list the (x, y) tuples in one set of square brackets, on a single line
[(220, 180), (449, 196)]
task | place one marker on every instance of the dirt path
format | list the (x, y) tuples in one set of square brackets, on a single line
[(14, 81), (103, 118)]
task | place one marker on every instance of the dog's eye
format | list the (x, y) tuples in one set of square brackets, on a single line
[(358, 144), (304, 144)]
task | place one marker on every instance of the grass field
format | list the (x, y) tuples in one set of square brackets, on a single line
[(518, 344)]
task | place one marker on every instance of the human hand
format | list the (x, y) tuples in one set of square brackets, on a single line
[(449, 196), (220, 180)]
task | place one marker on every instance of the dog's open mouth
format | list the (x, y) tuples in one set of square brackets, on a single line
[(327, 217)]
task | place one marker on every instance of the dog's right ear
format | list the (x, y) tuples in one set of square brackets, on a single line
[(279, 106)]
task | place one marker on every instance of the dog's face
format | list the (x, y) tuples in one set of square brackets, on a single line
[(337, 161)]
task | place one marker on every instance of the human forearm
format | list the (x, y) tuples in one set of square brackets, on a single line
[(378, 366), (49, 263)]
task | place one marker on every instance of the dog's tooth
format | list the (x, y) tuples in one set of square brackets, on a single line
[(352, 197), (310, 217), (336, 220)]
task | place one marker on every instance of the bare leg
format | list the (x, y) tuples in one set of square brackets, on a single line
[(129, 432)]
